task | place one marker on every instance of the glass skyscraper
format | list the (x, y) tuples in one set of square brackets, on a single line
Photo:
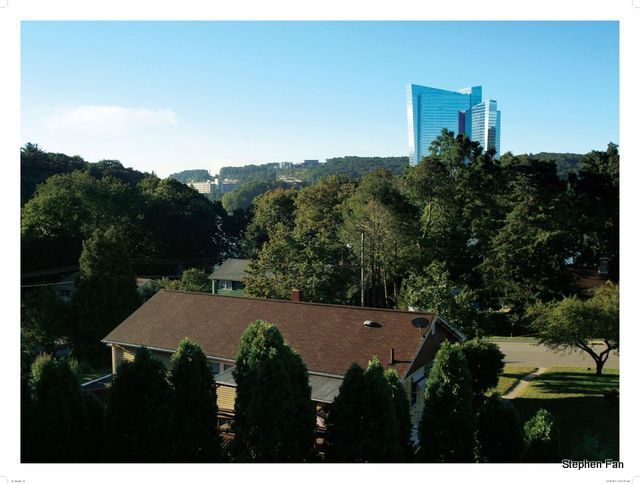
[(429, 110)]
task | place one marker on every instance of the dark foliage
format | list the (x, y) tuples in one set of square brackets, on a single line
[(274, 415), (193, 407), (498, 431), (138, 418)]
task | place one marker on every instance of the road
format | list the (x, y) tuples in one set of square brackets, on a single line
[(529, 354)]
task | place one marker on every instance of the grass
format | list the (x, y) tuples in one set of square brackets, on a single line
[(588, 423), (88, 372), (510, 377)]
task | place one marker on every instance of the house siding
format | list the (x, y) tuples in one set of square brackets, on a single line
[(226, 398)]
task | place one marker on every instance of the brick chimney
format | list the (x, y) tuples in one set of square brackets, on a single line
[(296, 295)]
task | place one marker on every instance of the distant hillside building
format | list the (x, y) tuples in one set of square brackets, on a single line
[(228, 185), (205, 187), (430, 110)]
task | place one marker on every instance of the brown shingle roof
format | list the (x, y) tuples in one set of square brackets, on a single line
[(328, 337)]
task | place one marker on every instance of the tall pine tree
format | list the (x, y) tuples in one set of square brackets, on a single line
[(193, 408), (447, 427), (274, 415), (106, 289)]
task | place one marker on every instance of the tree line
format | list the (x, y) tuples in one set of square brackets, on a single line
[(158, 414), (482, 238)]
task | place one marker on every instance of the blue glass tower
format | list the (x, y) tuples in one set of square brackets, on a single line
[(429, 110)]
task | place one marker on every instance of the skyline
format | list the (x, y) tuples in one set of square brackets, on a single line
[(170, 96)]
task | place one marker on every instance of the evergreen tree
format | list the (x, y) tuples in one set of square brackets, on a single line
[(403, 416), (541, 438), (447, 427), (499, 431), (106, 289), (138, 421), (344, 423), (57, 412), (381, 441), (193, 412), (274, 415)]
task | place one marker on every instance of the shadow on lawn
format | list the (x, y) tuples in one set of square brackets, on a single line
[(586, 384), (588, 427)]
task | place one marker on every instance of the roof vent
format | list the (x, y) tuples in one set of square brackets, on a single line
[(372, 324)]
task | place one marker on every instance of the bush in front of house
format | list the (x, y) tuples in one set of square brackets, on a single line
[(499, 436), (485, 362), (541, 438)]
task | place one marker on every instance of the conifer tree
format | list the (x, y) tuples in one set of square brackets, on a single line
[(193, 410), (274, 415), (106, 289), (138, 424), (344, 422), (403, 416), (57, 412), (447, 427)]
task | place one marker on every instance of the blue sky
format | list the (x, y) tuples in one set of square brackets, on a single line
[(168, 96)]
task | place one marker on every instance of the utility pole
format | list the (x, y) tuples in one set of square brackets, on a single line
[(362, 268)]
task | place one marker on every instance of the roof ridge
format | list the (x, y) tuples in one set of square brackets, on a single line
[(308, 303)]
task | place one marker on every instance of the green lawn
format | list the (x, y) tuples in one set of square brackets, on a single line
[(588, 422), (510, 376)]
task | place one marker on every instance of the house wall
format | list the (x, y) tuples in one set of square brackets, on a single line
[(127, 353), (226, 398)]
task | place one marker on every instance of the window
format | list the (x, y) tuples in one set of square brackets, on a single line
[(414, 392), (215, 367), (226, 285)]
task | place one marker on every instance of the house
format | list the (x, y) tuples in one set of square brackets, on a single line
[(227, 279), (329, 338)]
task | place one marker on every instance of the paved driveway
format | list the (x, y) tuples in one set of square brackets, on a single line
[(529, 354)]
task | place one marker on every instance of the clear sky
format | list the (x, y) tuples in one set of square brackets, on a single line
[(169, 96)]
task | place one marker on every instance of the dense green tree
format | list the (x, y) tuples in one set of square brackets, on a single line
[(36, 165), (193, 409), (541, 438), (138, 420), (270, 210), (345, 430), (447, 426), (56, 433), (381, 431), (596, 201), (274, 414), (180, 224), (242, 197), (434, 291), (356, 167), (310, 257), (44, 320), (194, 280), (485, 362), (107, 291), (66, 210), (403, 416), (573, 324), (499, 431), (527, 257), (369, 420)]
